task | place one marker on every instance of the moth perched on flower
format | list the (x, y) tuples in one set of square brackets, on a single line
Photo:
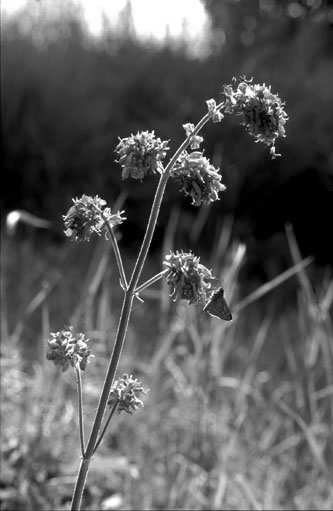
[(217, 306)]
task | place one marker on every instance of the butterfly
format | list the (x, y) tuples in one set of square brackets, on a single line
[(217, 306)]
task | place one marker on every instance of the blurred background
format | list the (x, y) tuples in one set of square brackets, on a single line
[(239, 415)]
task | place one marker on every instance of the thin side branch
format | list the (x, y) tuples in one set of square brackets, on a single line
[(79, 392), (116, 250), (113, 409), (151, 281)]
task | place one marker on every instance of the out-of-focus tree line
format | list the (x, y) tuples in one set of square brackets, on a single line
[(66, 99)]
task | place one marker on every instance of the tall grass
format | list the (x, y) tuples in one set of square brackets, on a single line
[(239, 415)]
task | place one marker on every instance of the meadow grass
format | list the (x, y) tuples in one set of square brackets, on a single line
[(239, 415)]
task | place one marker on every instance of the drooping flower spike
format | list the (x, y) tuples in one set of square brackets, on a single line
[(262, 112)]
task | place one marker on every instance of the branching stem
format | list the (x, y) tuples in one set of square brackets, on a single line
[(130, 292)]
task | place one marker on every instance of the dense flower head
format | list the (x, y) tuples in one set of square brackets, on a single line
[(215, 114), (261, 111), (87, 216), (199, 179), (187, 278), (195, 140), (124, 393), (68, 349), (141, 154)]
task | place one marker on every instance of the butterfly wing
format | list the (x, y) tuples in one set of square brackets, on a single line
[(217, 306)]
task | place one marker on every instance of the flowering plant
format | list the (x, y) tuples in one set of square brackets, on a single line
[(140, 156)]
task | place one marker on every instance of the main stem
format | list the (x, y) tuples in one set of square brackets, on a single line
[(124, 319), (119, 342)]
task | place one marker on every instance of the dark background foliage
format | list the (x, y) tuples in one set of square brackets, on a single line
[(65, 103)]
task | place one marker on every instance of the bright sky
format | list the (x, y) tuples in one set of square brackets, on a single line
[(152, 18)]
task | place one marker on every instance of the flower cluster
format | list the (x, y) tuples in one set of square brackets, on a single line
[(262, 112), (124, 393), (214, 114), (187, 278), (89, 215), (199, 179), (195, 140), (68, 349), (141, 154)]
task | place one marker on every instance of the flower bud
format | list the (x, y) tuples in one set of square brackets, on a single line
[(213, 113), (262, 113), (196, 140)]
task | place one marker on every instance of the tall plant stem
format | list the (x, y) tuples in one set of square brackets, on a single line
[(124, 318), (120, 337)]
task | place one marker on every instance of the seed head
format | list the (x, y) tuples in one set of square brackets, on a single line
[(141, 154), (89, 215), (199, 179), (262, 112), (187, 278), (125, 392), (66, 348)]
